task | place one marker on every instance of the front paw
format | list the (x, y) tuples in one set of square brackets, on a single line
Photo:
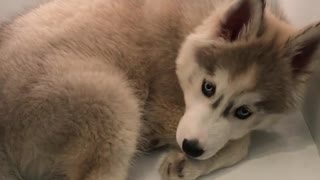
[(176, 166)]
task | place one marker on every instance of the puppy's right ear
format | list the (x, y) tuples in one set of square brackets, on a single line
[(303, 51), (243, 19)]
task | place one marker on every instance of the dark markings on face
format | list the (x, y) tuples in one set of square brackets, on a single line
[(217, 102), (154, 142), (205, 60), (273, 73), (226, 112)]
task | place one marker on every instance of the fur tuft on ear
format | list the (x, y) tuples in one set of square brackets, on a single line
[(303, 50), (243, 19)]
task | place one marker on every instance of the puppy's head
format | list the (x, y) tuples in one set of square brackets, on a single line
[(240, 71)]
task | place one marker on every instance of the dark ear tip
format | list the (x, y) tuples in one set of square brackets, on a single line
[(304, 52)]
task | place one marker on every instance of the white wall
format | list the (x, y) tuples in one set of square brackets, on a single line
[(301, 12), (9, 8)]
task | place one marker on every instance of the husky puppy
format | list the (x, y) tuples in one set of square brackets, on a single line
[(86, 84)]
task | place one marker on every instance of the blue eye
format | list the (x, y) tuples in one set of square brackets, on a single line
[(243, 113), (208, 89)]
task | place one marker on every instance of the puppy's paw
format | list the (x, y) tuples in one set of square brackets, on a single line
[(176, 166)]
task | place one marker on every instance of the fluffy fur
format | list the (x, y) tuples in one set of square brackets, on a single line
[(85, 84)]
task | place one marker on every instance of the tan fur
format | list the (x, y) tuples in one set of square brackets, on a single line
[(85, 84)]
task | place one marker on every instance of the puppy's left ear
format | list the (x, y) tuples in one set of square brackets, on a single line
[(303, 52)]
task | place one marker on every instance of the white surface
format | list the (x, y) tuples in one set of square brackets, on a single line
[(286, 152)]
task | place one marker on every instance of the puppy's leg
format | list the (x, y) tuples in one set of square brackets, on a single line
[(177, 166), (111, 129), (75, 125)]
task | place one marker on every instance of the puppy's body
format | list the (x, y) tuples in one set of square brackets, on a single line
[(76, 77), (83, 83)]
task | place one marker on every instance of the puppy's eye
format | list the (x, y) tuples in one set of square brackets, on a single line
[(243, 113), (208, 89)]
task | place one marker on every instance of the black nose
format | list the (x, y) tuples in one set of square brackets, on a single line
[(192, 148)]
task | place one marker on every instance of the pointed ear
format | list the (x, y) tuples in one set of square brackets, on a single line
[(303, 51), (242, 19)]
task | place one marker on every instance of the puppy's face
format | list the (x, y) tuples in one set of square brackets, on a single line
[(235, 81)]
